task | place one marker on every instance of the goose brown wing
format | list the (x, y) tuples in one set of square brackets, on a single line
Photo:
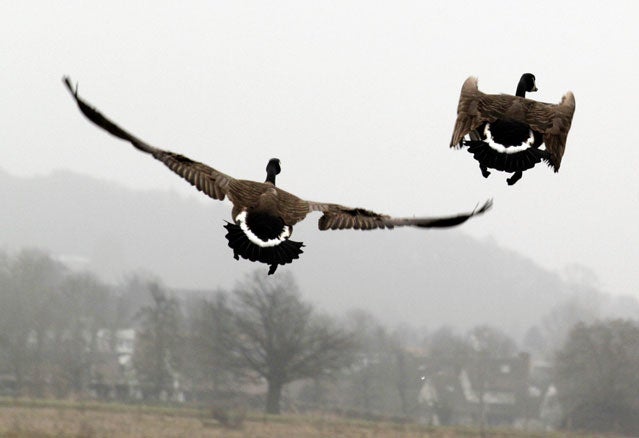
[(475, 108), (206, 179), (339, 217), (553, 121), (468, 115)]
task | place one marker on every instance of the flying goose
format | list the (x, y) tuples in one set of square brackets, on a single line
[(263, 214), (506, 132)]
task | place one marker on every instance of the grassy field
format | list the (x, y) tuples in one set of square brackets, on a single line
[(40, 419)]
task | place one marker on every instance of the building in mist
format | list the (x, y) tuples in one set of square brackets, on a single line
[(501, 390)]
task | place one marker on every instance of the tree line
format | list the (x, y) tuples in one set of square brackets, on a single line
[(262, 341)]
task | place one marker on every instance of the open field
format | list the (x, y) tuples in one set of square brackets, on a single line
[(63, 419)]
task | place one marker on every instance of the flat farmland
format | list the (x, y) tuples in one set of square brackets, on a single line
[(61, 420)]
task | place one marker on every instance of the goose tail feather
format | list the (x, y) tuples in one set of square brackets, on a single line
[(281, 254)]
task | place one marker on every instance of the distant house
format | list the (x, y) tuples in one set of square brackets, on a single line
[(113, 376), (499, 389)]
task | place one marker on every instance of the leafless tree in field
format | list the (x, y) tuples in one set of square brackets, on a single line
[(280, 338)]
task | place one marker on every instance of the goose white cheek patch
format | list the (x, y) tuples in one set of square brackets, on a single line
[(285, 234), (511, 149)]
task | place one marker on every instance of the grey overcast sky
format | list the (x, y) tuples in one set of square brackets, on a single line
[(357, 98)]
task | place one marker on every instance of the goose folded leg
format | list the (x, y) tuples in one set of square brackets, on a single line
[(484, 170), (514, 178)]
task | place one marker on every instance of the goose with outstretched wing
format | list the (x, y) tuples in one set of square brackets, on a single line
[(264, 214), (512, 133)]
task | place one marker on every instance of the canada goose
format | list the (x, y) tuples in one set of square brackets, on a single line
[(506, 131), (263, 214)]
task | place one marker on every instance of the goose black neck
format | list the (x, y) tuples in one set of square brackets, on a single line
[(272, 169), (270, 177), (521, 89)]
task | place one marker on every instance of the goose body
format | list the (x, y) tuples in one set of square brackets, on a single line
[(512, 133), (264, 214)]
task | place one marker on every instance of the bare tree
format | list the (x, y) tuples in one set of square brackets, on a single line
[(29, 288), (487, 343), (405, 376), (597, 378), (210, 326), (280, 338), (447, 349), (80, 311), (584, 305), (158, 341), (365, 384), (385, 376)]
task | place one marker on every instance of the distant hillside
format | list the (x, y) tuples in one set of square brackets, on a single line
[(424, 278)]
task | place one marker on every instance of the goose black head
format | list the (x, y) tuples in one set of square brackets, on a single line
[(272, 169), (526, 84)]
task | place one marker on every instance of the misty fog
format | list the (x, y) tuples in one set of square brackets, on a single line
[(116, 280)]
